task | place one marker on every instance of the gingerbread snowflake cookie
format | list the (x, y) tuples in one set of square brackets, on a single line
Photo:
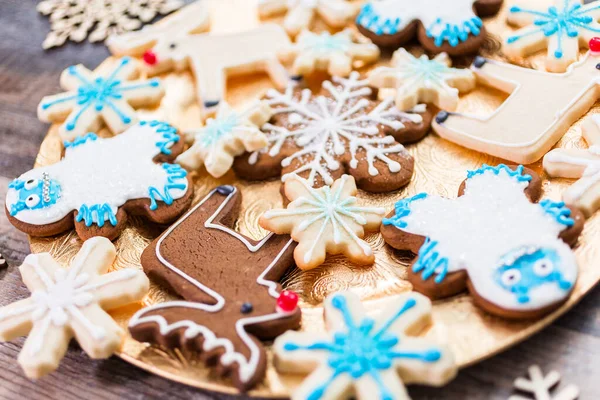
[(70, 303), (108, 94), (300, 13), (227, 135), (423, 80), (335, 53), (341, 131), (370, 357), (562, 27), (99, 181), (324, 221), (581, 164), (454, 27), (511, 253), (228, 282)]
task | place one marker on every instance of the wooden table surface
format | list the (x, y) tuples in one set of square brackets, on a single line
[(571, 345)]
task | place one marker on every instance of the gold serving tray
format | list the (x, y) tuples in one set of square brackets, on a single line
[(440, 167)]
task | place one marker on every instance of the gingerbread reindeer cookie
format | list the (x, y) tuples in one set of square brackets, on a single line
[(562, 27), (581, 164), (70, 303), (108, 94), (368, 357), (514, 131), (99, 181), (340, 131), (454, 27), (228, 284), (511, 253), (300, 13)]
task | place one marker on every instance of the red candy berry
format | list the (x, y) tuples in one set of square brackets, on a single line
[(287, 301), (595, 44), (149, 57)]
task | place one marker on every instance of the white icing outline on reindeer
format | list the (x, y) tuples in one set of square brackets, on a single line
[(516, 131), (247, 367)]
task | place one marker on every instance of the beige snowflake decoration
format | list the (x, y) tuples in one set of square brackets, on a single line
[(227, 135), (324, 220), (540, 386), (74, 19)]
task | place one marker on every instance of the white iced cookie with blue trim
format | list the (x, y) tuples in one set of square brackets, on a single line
[(423, 80), (323, 221), (337, 54), (109, 94), (68, 303), (370, 357), (99, 181), (511, 253), (562, 27), (454, 27)]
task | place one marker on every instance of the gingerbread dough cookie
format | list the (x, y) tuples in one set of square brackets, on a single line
[(343, 130), (511, 253), (228, 283), (421, 80), (68, 303), (372, 358), (300, 13), (99, 181), (454, 27), (515, 131), (324, 221), (108, 94), (562, 27), (580, 164)]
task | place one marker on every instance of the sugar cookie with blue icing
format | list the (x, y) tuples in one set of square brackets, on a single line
[(454, 27), (366, 356), (101, 180), (512, 253), (110, 94)]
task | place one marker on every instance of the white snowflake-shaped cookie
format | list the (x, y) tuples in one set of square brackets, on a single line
[(227, 135), (421, 80), (300, 13), (325, 220), (540, 386), (334, 53), (581, 164), (562, 27), (370, 357), (67, 303), (108, 94)]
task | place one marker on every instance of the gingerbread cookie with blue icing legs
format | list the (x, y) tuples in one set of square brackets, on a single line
[(99, 181), (453, 27), (109, 94), (512, 253)]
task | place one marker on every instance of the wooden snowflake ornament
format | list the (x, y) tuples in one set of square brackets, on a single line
[(325, 220), (227, 135), (372, 358), (540, 386), (67, 303)]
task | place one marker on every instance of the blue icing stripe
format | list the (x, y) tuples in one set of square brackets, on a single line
[(175, 181), (102, 212), (168, 134), (518, 173), (360, 350), (559, 211), (402, 209), (431, 262), (564, 22), (452, 33), (79, 140)]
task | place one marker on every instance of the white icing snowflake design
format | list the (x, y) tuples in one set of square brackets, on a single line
[(322, 129)]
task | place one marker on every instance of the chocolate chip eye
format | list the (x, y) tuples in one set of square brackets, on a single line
[(511, 277), (246, 308), (173, 46), (32, 201), (30, 184)]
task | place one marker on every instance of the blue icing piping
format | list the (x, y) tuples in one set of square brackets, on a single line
[(565, 22), (559, 211), (102, 212), (175, 181), (518, 173), (168, 133), (402, 208), (361, 351), (375, 23), (79, 140), (527, 268), (430, 262)]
